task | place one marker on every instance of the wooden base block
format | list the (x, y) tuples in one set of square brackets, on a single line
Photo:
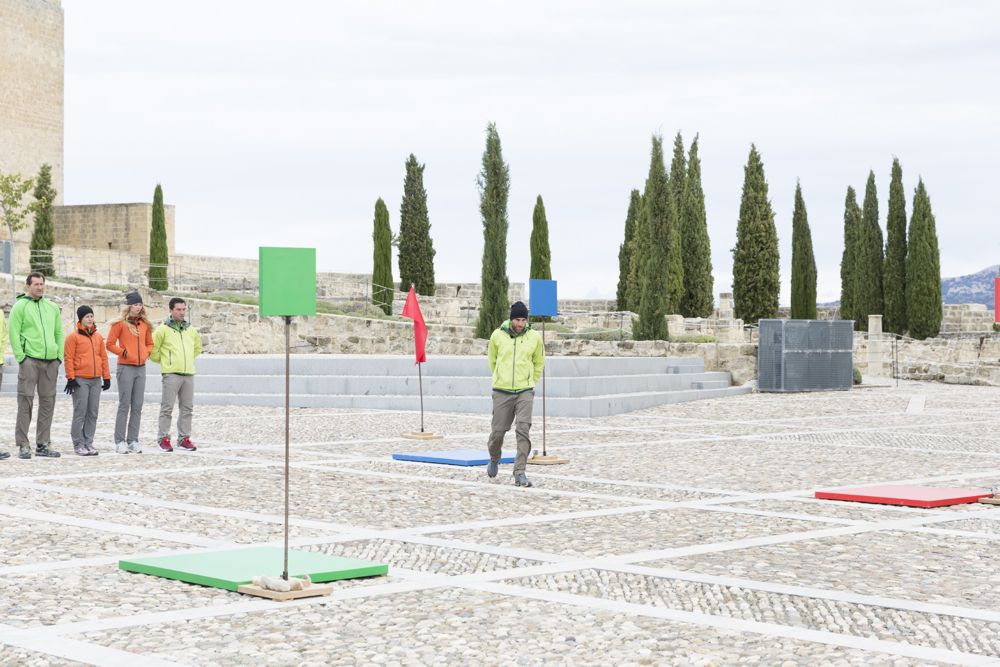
[(311, 592), (547, 460), (990, 501), (422, 435)]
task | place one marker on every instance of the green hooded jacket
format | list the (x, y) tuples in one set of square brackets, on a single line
[(175, 346), (515, 359), (3, 338), (35, 329)]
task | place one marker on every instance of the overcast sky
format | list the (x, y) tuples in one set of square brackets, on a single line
[(281, 123)]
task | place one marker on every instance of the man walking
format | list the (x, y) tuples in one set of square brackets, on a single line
[(36, 338), (516, 356), (176, 344)]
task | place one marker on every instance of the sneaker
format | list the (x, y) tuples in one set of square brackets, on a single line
[(520, 479), (186, 444), (45, 452), (4, 455), (92, 451), (121, 447), (25, 452), (165, 445), (80, 450), (135, 447), (492, 468)]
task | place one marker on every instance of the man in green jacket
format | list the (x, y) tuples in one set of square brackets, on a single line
[(36, 338), (516, 356), (176, 344), (3, 358)]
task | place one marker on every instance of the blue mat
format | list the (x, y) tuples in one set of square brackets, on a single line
[(453, 457)]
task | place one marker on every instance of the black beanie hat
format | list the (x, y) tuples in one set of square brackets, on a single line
[(82, 312), (133, 298), (518, 310)]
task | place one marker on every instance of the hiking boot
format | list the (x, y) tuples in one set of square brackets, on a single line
[(135, 447), (186, 444), (520, 479), (80, 450), (25, 452), (45, 452), (121, 447), (4, 455), (92, 451), (165, 445), (492, 468)]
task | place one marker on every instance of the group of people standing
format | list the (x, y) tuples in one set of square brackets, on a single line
[(39, 347)]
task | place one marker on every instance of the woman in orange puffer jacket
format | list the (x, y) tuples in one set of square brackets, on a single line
[(86, 377), (131, 339)]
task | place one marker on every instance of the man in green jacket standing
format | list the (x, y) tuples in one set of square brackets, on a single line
[(3, 358), (176, 344), (36, 338), (516, 356)]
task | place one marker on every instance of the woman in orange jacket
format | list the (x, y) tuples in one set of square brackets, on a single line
[(86, 366), (131, 339)]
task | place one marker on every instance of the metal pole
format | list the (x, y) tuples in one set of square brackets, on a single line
[(543, 392), (420, 380), (288, 327)]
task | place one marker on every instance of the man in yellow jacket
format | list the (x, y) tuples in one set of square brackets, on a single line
[(3, 358), (176, 344), (516, 356)]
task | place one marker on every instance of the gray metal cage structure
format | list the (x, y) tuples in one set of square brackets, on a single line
[(805, 355)]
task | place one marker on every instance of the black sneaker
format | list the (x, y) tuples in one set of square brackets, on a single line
[(25, 452), (45, 452), (80, 450), (492, 468), (4, 455), (520, 479)]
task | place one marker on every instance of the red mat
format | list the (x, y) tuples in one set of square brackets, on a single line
[(901, 494)]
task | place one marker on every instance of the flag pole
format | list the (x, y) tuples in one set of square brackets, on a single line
[(420, 379), (288, 326)]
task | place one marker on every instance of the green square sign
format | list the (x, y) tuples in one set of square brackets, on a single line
[(287, 281)]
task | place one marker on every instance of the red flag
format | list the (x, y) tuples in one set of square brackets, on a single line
[(412, 310)]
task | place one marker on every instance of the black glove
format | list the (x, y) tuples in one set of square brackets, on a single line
[(124, 353), (106, 385), (71, 386)]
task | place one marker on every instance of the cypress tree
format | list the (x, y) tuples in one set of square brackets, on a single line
[(541, 256), (158, 259), (622, 297), (656, 211), (678, 172), (923, 270), (803, 263), (637, 257), (382, 292), (416, 250), (494, 186), (848, 261), (697, 249), (894, 275), (42, 237), (870, 258), (756, 277)]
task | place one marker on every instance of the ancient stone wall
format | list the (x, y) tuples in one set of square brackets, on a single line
[(115, 227), (31, 91)]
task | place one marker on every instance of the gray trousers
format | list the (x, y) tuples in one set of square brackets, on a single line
[(180, 389), (86, 401), (35, 375), (131, 382), (505, 408)]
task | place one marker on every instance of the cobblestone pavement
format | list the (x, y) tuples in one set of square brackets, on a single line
[(684, 534)]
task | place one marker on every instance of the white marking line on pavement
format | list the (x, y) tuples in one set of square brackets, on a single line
[(916, 404), (738, 625), (108, 527), (79, 651)]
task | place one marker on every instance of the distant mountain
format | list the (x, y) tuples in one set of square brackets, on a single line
[(973, 288)]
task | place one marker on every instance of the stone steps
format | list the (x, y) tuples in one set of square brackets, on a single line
[(574, 386)]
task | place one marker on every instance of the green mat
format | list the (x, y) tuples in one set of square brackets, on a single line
[(233, 568)]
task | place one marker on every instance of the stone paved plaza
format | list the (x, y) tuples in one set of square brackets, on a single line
[(685, 534)]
